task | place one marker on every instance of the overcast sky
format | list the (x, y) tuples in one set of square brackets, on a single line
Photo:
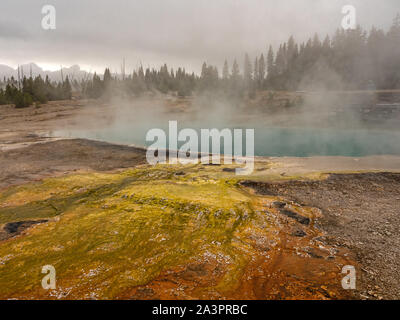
[(99, 33)]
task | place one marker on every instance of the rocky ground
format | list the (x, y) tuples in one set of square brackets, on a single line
[(54, 158), (360, 212)]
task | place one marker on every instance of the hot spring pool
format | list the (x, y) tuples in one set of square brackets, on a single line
[(272, 141)]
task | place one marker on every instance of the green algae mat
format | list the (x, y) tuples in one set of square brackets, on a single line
[(106, 233), (145, 233)]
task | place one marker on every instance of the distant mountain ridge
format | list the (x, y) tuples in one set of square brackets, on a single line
[(74, 72)]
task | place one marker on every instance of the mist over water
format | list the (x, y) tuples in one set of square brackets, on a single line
[(312, 129)]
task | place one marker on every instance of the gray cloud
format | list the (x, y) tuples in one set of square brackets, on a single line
[(100, 33), (11, 30)]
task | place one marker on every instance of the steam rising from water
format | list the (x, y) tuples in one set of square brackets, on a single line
[(325, 123)]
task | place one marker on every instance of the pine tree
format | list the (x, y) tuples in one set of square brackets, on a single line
[(225, 71), (261, 72), (256, 71), (3, 99), (280, 60), (107, 77), (39, 90), (235, 78), (270, 66), (235, 75), (247, 72), (392, 65), (67, 89)]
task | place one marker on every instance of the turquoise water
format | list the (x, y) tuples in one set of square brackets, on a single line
[(273, 141)]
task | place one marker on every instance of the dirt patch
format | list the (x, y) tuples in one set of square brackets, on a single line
[(294, 215), (360, 212), (64, 156), (13, 229), (185, 282)]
